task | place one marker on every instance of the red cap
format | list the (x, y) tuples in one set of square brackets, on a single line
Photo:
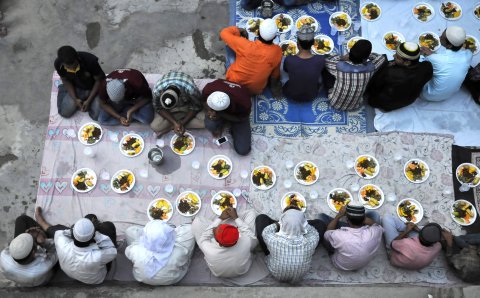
[(226, 235)]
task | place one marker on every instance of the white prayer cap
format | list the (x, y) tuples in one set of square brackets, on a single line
[(83, 230), (218, 101), (115, 90), (268, 29), (21, 246), (455, 35)]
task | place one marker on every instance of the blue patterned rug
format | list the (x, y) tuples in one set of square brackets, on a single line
[(285, 118)]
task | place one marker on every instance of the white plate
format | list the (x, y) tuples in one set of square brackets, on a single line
[(471, 165), (434, 35), (215, 158), (80, 133), (90, 173), (283, 202), (365, 203), (216, 208), (336, 14), (477, 44), (352, 41), (472, 220), (475, 7), (285, 16), (288, 42), (458, 8), (426, 5), (314, 24), (247, 27), (427, 170), (329, 201), (418, 206), (323, 37), (115, 176), (174, 139), (125, 152), (263, 186), (169, 214), (364, 17), (296, 170), (183, 194), (377, 168), (399, 36)]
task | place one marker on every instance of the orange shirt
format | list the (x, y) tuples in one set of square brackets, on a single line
[(255, 61)]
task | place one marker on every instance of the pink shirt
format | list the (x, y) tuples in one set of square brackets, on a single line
[(354, 248), (409, 253)]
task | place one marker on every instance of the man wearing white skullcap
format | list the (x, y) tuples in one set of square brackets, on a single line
[(124, 97), (228, 103), (450, 65)]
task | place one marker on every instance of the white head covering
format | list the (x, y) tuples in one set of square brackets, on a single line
[(455, 35), (21, 246), (293, 223), (218, 101), (158, 238), (83, 230), (115, 90), (268, 29)]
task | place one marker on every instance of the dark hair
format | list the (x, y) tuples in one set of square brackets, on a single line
[(81, 244), (430, 234), (265, 41), (456, 49), (67, 55), (360, 51), (356, 221), (305, 44)]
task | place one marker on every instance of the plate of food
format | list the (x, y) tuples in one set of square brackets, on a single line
[(160, 209), (429, 40), (182, 145), (463, 212), (284, 22), (322, 45), (416, 171), (122, 181), (471, 43), (293, 198), (410, 210), (392, 39), (469, 174), (340, 20), (289, 47), (476, 11), (337, 198), (423, 12), (84, 180), (451, 10), (90, 133), (306, 20), (306, 172), (366, 166), (370, 11), (352, 41), (263, 177), (188, 203), (371, 196), (222, 200), (131, 145), (219, 166), (253, 26)]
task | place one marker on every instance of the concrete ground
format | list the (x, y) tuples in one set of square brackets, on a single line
[(150, 35)]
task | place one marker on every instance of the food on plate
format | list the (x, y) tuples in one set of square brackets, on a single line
[(160, 209), (183, 144), (322, 45), (429, 40), (188, 203), (132, 145), (91, 133), (352, 41), (450, 10), (283, 22), (371, 195), (392, 40), (307, 20), (463, 212), (339, 199), (123, 181), (416, 170), (422, 12), (220, 168), (476, 11), (371, 11), (468, 174), (253, 26), (470, 44), (294, 200), (263, 177), (307, 172), (366, 166), (289, 48), (341, 21), (407, 210), (83, 180), (224, 201)]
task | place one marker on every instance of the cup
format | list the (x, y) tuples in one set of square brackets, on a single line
[(89, 152), (464, 187), (313, 195), (155, 155), (354, 187), (350, 164), (196, 164), (397, 156), (237, 192), (287, 183), (244, 174), (289, 164), (143, 173), (391, 197), (169, 188), (160, 143)]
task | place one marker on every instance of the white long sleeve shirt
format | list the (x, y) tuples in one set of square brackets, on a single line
[(85, 264)]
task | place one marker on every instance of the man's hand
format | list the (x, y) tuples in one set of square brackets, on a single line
[(232, 212), (447, 235), (85, 105), (129, 115), (79, 103), (243, 32), (425, 51), (410, 226), (224, 214), (212, 115), (178, 128), (124, 121), (342, 212)]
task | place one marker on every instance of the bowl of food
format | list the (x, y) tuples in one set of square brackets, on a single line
[(306, 172), (222, 200), (337, 198), (429, 40), (416, 170), (90, 133), (84, 180), (160, 209), (131, 145), (352, 41), (188, 203), (410, 210), (392, 39), (423, 12), (370, 11), (340, 21), (289, 47), (122, 181), (471, 43), (469, 174), (463, 212), (220, 167), (371, 196), (253, 26), (322, 45), (284, 22), (263, 177), (366, 166), (476, 11), (182, 145), (306, 20), (293, 198), (450, 10)]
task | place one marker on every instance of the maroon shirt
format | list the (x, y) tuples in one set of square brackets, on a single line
[(135, 85), (240, 102)]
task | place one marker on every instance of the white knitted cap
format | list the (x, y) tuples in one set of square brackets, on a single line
[(21, 246), (455, 35), (268, 29), (83, 230), (218, 101), (115, 90)]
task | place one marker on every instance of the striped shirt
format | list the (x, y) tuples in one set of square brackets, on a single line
[(289, 259), (189, 93), (350, 80)]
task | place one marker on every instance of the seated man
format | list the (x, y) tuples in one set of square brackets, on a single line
[(463, 255), (160, 253), (472, 83), (400, 82), (30, 257), (83, 252), (227, 248), (352, 245), (255, 61), (81, 77), (227, 102), (415, 252), (450, 65), (301, 75), (289, 244), (125, 96), (352, 73), (177, 104)]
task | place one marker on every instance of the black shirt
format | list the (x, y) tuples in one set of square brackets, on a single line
[(304, 77), (89, 68)]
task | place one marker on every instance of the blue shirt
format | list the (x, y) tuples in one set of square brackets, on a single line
[(449, 71)]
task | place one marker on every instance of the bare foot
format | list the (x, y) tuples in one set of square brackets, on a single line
[(217, 133), (40, 220), (159, 134)]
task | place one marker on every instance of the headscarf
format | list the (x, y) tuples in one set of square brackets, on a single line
[(293, 223), (158, 238)]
